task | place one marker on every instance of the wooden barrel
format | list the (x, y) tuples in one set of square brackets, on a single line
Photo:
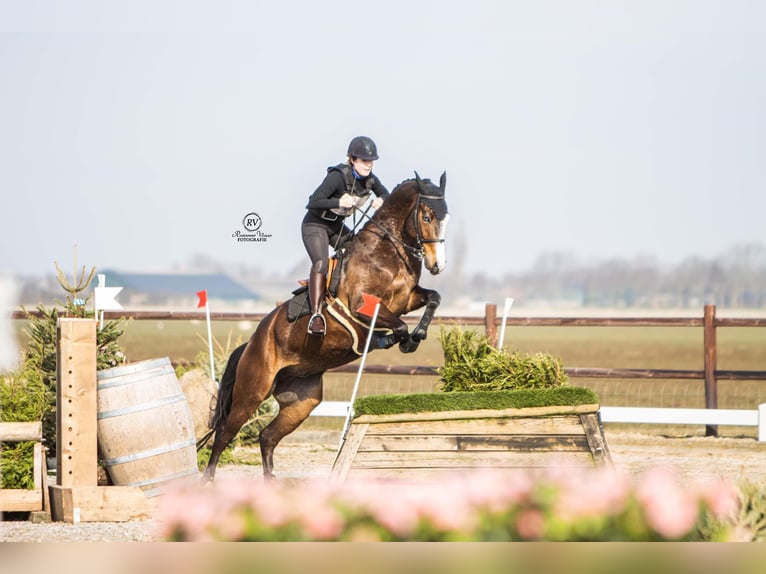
[(145, 429)]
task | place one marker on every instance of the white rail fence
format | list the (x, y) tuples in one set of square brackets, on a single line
[(650, 415)]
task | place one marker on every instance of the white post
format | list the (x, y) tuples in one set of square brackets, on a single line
[(508, 303), (210, 342), (762, 422), (350, 410)]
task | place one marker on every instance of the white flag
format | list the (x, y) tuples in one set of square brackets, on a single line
[(104, 296)]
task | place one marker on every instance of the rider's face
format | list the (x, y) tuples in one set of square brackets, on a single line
[(362, 166)]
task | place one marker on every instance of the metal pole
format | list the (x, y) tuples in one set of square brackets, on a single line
[(508, 303), (711, 360), (350, 411)]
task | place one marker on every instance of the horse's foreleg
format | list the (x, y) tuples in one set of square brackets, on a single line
[(432, 301), (297, 397), (419, 297)]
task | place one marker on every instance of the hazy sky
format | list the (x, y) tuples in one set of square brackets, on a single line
[(144, 132)]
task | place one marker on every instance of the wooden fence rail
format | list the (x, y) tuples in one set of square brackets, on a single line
[(490, 321)]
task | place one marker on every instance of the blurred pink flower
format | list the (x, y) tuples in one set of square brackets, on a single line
[(586, 493), (721, 497), (530, 524), (495, 491), (397, 513), (670, 509)]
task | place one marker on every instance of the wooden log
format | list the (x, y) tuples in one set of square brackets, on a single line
[(594, 434), (526, 426), (99, 503), (20, 500), (345, 457), (17, 432), (465, 443), (470, 459)]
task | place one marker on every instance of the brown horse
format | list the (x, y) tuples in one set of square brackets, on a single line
[(385, 260)]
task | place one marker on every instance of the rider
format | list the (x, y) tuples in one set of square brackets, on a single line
[(345, 187)]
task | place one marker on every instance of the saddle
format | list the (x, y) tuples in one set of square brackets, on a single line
[(298, 306)]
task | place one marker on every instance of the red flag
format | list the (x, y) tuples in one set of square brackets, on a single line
[(202, 298), (368, 307)]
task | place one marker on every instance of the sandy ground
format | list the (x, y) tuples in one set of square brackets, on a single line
[(311, 454)]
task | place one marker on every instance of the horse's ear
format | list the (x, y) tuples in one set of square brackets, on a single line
[(418, 180), (443, 182)]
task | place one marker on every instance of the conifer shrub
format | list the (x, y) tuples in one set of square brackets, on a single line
[(472, 363)]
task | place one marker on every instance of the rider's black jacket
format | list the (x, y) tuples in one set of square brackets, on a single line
[(324, 204)]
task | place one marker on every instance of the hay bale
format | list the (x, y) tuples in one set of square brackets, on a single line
[(200, 392)]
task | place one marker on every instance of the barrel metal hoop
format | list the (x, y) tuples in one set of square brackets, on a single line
[(158, 481), (136, 377), (150, 453), (142, 407), (131, 368)]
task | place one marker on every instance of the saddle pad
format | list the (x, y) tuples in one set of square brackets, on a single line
[(299, 305)]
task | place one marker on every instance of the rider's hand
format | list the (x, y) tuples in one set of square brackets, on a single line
[(377, 202), (346, 200)]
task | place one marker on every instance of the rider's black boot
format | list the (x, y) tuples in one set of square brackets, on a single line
[(317, 282)]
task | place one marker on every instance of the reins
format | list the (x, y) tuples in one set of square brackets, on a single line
[(416, 251)]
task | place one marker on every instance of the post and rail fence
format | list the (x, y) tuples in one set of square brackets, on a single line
[(710, 416)]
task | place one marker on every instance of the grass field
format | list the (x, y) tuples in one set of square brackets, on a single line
[(739, 348)]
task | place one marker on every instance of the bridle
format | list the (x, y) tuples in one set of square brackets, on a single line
[(416, 250)]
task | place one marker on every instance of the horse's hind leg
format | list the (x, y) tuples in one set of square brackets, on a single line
[(251, 387), (224, 434), (297, 397)]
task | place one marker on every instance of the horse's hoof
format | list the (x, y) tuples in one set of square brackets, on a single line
[(409, 346)]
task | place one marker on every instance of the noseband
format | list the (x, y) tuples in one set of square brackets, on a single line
[(417, 251)]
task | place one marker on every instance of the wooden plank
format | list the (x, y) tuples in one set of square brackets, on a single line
[(99, 504), (474, 459), (479, 414), (37, 468), (44, 482), (594, 434), (76, 447), (345, 457), (523, 443), (543, 425), (21, 500), (18, 432)]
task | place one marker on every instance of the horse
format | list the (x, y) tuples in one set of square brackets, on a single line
[(383, 260)]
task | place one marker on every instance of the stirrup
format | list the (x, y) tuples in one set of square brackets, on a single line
[(320, 329)]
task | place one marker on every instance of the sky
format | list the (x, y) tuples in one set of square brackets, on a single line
[(144, 132)]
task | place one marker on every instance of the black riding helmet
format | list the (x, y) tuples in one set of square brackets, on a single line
[(363, 148)]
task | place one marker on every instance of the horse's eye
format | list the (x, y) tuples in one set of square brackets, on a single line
[(427, 218)]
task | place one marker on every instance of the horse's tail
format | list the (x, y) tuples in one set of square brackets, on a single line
[(225, 389)]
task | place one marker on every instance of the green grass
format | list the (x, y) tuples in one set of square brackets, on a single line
[(739, 348), (473, 400)]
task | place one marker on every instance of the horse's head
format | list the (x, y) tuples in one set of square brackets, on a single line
[(430, 222)]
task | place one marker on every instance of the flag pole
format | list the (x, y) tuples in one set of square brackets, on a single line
[(210, 341), (350, 412), (203, 301), (508, 303)]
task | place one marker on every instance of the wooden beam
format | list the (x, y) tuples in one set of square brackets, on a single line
[(99, 504), (17, 432), (76, 446)]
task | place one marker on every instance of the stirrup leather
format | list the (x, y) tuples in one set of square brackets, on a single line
[(319, 329)]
